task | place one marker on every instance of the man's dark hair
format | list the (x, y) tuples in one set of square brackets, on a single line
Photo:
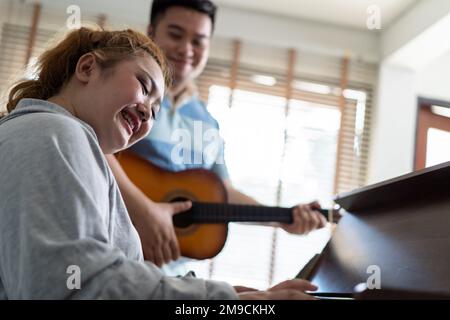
[(159, 7)]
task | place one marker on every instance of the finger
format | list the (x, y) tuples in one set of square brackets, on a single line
[(166, 252), (323, 221), (159, 256), (180, 206), (299, 221), (284, 294), (240, 289), (311, 218), (296, 284), (321, 218), (289, 294), (315, 219), (315, 205), (306, 218), (174, 248), (149, 256), (293, 294)]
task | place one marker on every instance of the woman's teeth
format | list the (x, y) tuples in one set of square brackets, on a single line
[(128, 119)]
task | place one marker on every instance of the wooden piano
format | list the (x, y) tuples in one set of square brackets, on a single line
[(399, 227)]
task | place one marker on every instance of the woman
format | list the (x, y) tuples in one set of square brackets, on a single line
[(65, 232)]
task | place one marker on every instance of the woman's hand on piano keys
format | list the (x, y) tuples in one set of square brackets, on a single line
[(286, 290), (306, 219)]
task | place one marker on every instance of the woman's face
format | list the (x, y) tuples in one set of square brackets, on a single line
[(121, 102)]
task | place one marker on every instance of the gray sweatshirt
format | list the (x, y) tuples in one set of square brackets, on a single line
[(64, 229)]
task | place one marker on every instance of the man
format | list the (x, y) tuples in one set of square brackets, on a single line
[(183, 29)]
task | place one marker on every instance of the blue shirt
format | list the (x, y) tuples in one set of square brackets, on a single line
[(185, 137)]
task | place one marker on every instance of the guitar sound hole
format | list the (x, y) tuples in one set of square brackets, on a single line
[(184, 219), (177, 199)]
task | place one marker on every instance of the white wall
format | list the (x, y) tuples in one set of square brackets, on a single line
[(394, 117), (304, 35), (413, 64), (414, 22), (394, 127), (249, 26), (433, 81)]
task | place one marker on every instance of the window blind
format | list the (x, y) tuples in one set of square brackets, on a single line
[(13, 47), (266, 145)]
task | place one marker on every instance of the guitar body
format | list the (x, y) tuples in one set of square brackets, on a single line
[(202, 230), (198, 241)]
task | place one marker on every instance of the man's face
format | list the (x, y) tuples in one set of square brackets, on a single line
[(184, 35)]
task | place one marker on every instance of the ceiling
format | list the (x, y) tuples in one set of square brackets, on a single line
[(344, 13), (348, 13)]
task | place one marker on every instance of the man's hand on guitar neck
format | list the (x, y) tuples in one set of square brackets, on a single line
[(305, 217)]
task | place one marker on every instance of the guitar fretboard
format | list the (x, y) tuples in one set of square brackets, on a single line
[(207, 212), (204, 212)]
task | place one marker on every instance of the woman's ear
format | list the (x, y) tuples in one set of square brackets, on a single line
[(85, 67)]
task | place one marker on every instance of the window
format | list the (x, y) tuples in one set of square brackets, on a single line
[(432, 134), (282, 154), (279, 151), (436, 152)]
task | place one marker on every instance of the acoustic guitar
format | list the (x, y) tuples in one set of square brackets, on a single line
[(202, 230)]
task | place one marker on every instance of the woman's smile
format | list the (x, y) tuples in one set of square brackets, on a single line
[(131, 122)]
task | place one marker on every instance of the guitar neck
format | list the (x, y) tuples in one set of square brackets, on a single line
[(204, 212)]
